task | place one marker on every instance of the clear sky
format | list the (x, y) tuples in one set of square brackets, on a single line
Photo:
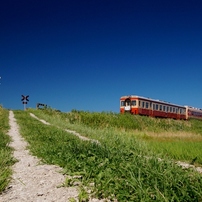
[(86, 54)]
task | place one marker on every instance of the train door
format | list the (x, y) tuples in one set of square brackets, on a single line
[(127, 105), (150, 109), (153, 109), (178, 113)]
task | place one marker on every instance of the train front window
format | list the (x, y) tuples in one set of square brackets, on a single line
[(122, 103), (133, 103)]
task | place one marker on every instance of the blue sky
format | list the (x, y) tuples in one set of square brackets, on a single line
[(85, 55)]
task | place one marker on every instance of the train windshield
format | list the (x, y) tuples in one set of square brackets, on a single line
[(127, 102), (122, 103)]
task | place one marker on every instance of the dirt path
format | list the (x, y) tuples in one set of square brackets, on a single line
[(32, 182)]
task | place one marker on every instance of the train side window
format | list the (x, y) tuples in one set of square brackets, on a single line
[(150, 105), (182, 111), (139, 103), (177, 110), (164, 108), (142, 104), (147, 105), (171, 110), (157, 107), (133, 103), (160, 107), (167, 109)]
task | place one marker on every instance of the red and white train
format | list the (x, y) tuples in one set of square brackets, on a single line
[(156, 108)]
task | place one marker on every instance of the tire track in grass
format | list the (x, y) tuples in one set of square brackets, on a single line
[(67, 130), (186, 165)]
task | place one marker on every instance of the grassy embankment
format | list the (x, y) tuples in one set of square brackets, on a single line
[(6, 160), (180, 140), (123, 165)]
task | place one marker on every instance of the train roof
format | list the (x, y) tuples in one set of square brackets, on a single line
[(150, 99)]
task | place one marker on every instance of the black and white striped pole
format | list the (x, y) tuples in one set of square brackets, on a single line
[(25, 100)]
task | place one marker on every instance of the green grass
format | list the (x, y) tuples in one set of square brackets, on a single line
[(121, 166), (6, 160), (180, 140)]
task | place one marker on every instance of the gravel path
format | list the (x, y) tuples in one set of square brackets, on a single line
[(32, 182)]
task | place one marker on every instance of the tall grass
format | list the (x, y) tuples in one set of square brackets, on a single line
[(121, 121), (118, 167), (6, 160)]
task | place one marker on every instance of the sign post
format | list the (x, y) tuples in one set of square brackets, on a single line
[(25, 100)]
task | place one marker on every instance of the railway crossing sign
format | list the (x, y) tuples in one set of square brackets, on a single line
[(25, 100)]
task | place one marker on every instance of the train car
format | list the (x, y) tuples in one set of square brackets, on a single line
[(149, 107), (192, 112)]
